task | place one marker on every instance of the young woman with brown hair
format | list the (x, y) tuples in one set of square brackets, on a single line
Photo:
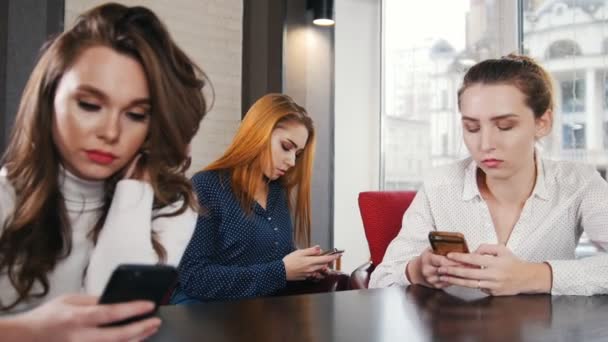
[(244, 242), (94, 172), (522, 215)]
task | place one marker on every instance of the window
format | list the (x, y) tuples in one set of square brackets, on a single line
[(573, 96), (563, 49), (569, 39), (573, 136), (428, 48), (425, 54)]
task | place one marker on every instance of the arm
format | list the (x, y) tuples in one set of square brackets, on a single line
[(411, 241), (202, 277), (587, 276), (78, 318), (126, 236)]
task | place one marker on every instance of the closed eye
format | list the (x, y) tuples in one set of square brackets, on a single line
[(87, 106), (139, 117), (472, 129)]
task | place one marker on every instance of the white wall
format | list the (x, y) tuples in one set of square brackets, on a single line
[(357, 121), (210, 32)]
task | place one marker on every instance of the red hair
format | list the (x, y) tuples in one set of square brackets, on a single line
[(250, 152)]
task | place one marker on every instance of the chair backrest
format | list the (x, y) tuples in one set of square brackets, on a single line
[(382, 214)]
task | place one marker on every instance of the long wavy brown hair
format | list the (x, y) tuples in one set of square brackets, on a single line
[(38, 234), (250, 151)]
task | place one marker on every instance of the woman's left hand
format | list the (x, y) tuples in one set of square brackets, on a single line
[(137, 169), (498, 272)]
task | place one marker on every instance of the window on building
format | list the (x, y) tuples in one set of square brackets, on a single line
[(563, 49), (573, 136), (573, 96)]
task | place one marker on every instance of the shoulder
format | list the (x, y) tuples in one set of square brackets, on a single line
[(212, 186), (208, 180), (574, 175), (448, 175)]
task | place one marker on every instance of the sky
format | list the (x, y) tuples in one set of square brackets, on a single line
[(410, 22)]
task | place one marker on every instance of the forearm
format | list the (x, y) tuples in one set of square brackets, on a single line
[(125, 236), (217, 282)]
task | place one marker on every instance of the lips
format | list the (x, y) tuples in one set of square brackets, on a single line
[(100, 157), (281, 172), (491, 162)]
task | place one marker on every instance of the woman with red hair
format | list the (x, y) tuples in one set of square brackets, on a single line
[(244, 243)]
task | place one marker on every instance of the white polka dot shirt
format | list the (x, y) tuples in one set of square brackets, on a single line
[(232, 255), (568, 199)]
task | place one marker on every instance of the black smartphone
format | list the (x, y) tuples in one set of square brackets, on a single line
[(131, 282), (332, 251)]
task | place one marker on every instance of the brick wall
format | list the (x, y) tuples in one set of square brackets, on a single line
[(210, 32)]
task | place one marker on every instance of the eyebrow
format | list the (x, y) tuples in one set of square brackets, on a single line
[(495, 118), (98, 93)]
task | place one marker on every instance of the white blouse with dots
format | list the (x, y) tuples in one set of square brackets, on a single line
[(568, 198), (124, 238)]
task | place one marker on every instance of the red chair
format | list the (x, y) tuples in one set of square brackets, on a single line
[(382, 214)]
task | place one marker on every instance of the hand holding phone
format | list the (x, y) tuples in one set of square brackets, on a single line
[(446, 242), (332, 251), (131, 282)]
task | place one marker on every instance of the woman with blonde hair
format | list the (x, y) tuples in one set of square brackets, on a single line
[(244, 242)]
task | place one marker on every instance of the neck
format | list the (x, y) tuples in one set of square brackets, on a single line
[(512, 190)]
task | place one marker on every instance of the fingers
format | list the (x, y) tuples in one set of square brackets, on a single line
[(472, 259), (136, 331), (440, 260), (311, 251), (471, 283), (104, 314), (465, 272), (489, 249), (324, 259), (132, 167), (79, 299)]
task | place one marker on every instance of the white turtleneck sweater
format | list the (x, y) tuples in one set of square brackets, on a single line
[(125, 237)]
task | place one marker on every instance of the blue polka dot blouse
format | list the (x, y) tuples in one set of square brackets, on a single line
[(233, 255)]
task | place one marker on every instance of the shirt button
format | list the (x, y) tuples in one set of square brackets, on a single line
[(276, 243), (275, 229), (269, 218)]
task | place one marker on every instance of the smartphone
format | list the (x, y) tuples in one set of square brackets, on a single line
[(139, 282), (446, 242), (332, 251)]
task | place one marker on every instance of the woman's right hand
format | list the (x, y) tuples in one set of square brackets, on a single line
[(302, 264), (424, 269), (79, 317)]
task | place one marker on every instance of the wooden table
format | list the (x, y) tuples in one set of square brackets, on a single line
[(393, 314)]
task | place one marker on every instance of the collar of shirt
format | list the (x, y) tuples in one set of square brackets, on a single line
[(274, 190), (470, 189)]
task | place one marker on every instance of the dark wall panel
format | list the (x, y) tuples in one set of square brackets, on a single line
[(27, 24)]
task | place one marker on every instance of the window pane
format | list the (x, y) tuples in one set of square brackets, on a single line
[(425, 55), (569, 39)]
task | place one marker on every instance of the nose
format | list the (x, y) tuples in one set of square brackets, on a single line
[(291, 159), (487, 140), (109, 127)]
